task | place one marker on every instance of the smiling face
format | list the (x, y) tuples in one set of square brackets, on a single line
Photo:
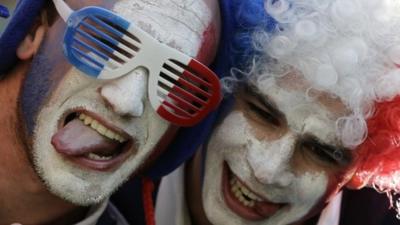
[(88, 135), (275, 158)]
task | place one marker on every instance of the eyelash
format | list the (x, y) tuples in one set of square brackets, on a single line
[(332, 156), (264, 114)]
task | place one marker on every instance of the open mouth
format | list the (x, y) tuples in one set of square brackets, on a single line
[(243, 201), (89, 141)]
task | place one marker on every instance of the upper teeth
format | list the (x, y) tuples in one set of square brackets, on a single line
[(95, 125), (240, 191)]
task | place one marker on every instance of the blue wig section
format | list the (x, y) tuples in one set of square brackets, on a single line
[(239, 20), (243, 18), (20, 24)]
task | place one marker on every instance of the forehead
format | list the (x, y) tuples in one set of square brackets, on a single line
[(181, 24), (299, 84)]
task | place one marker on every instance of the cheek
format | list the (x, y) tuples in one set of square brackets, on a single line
[(233, 130), (332, 188), (47, 69), (335, 184)]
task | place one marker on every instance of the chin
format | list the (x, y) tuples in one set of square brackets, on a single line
[(222, 206)]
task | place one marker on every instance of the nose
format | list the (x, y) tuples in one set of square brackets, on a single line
[(125, 95), (270, 161)]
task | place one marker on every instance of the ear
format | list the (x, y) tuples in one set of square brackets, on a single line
[(356, 182), (30, 45), (355, 179)]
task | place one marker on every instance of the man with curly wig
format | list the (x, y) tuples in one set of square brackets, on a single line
[(312, 107)]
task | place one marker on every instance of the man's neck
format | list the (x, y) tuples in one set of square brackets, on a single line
[(27, 208)]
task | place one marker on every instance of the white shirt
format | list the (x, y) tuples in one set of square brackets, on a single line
[(171, 204)]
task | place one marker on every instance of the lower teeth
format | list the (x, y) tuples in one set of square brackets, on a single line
[(98, 157)]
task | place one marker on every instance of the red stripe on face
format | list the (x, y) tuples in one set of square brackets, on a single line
[(211, 35), (209, 44)]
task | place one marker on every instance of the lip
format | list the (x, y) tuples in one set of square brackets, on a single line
[(128, 147), (260, 211), (102, 165)]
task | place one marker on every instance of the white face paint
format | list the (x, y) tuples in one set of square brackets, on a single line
[(267, 178), (186, 21), (121, 105)]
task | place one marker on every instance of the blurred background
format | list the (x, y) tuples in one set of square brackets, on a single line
[(10, 5)]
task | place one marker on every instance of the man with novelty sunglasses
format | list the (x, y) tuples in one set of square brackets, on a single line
[(70, 139)]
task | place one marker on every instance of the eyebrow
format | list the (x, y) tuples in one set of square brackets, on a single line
[(264, 100)]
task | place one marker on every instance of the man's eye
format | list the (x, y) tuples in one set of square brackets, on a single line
[(334, 156), (263, 113)]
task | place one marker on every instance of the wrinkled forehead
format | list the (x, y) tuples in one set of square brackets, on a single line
[(191, 26), (298, 84)]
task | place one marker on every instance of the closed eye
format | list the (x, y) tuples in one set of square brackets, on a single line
[(333, 155), (263, 113), (260, 107)]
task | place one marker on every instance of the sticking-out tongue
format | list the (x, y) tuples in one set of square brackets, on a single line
[(77, 139)]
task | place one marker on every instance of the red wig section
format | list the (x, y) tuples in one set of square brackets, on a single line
[(378, 161)]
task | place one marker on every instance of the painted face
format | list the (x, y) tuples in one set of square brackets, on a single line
[(275, 158), (88, 135)]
